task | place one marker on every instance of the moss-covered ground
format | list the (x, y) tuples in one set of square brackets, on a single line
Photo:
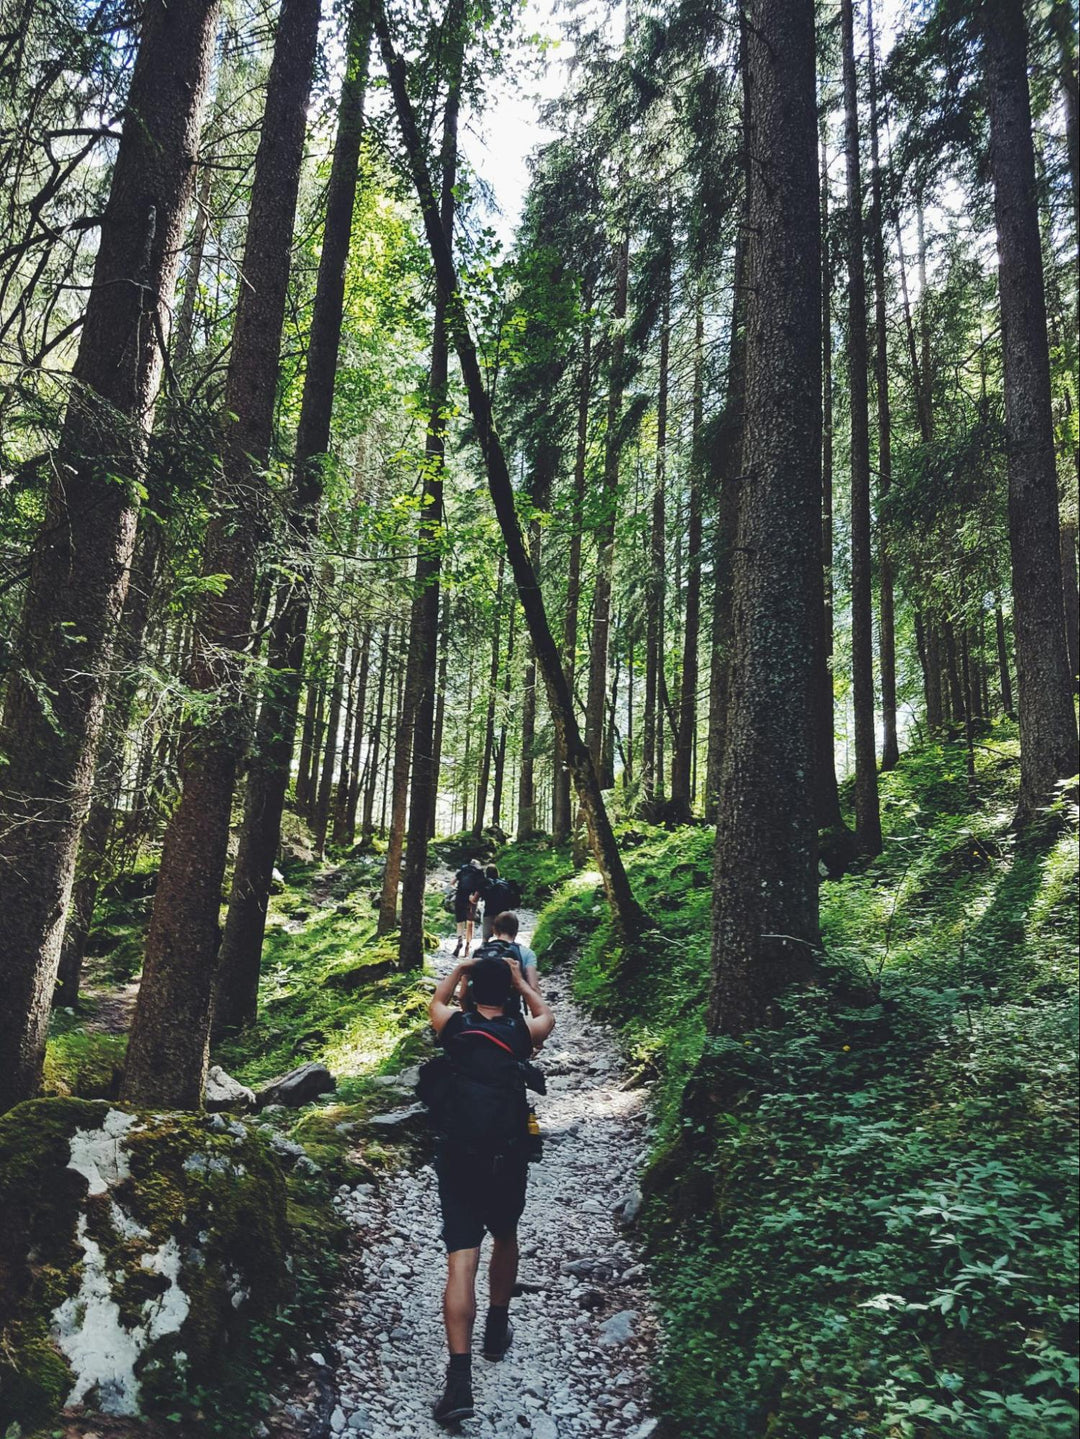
[(863, 1222)]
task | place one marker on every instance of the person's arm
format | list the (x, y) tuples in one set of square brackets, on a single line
[(440, 1008), (540, 1020)]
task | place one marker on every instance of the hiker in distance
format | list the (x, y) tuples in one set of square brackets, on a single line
[(503, 942), (500, 895), (482, 1157), (470, 882)]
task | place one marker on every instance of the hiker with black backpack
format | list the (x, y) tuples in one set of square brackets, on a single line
[(499, 895), (504, 944), (470, 883), (476, 1091)]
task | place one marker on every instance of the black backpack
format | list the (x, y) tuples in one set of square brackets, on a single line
[(476, 1089), (501, 894)]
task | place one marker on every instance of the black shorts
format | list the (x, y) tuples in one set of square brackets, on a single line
[(463, 908), (478, 1192)]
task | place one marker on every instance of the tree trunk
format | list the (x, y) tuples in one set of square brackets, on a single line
[(79, 567), (1069, 591), (489, 714), (330, 751), (1004, 677), (652, 738), (765, 882), (367, 823), (827, 804), (268, 781), (890, 749), (440, 711), (628, 916), (349, 787), (609, 504), (728, 467), (498, 783), (682, 780), (562, 817), (167, 1052), (1044, 688), (94, 842), (867, 814)]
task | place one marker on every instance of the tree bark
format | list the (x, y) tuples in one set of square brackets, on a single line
[(652, 737), (268, 780), (829, 815), (349, 787), (1044, 688), (867, 813), (609, 502), (367, 822), (728, 468), (628, 916), (80, 562), (168, 1049), (330, 751), (682, 778), (489, 715), (890, 749), (765, 883), (562, 817)]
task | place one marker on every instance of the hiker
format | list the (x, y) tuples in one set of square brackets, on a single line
[(482, 1155), (504, 943), (499, 895), (471, 883)]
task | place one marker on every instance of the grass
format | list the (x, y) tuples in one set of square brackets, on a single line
[(862, 1223)]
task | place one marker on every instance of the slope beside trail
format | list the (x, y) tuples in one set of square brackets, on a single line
[(583, 1334)]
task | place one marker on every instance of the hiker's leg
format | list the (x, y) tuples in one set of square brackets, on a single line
[(502, 1271), (459, 1299)]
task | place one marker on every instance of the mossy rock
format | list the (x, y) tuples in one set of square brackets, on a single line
[(139, 1255)]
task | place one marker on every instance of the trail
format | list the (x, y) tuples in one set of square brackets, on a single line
[(583, 1341)]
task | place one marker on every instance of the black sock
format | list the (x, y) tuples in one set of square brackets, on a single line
[(497, 1317), (461, 1364)]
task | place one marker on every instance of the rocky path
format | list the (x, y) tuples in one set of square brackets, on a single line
[(583, 1332)]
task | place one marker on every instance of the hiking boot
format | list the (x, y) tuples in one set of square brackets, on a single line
[(495, 1343), (457, 948), (457, 1401)]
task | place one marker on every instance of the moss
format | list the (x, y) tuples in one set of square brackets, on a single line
[(214, 1201), (83, 1064)]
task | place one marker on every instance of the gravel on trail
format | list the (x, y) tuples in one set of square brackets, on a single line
[(583, 1337)]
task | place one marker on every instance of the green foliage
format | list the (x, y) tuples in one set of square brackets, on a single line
[(83, 1064), (538, 864), (863, 1221)]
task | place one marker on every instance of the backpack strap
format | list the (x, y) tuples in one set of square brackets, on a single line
[(486, 1034)]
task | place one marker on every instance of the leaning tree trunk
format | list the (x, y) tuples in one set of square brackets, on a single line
[(765, 883), (268, 779), (79, 568), (484, 779), (628, 916), (167, 1053), (867, 813), (1044, 688)]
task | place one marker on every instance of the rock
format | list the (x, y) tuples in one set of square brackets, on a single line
[(619, 1329), (628, 1209), (277, 881), (590, 1299), (318, 1360), (544, 1427), (224, 1092), (299, 1086), (399, 1122), (337, 1420), (134, 1245), (644, 1430)]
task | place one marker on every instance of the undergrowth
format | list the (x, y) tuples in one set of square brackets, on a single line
[(871, 1232)]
